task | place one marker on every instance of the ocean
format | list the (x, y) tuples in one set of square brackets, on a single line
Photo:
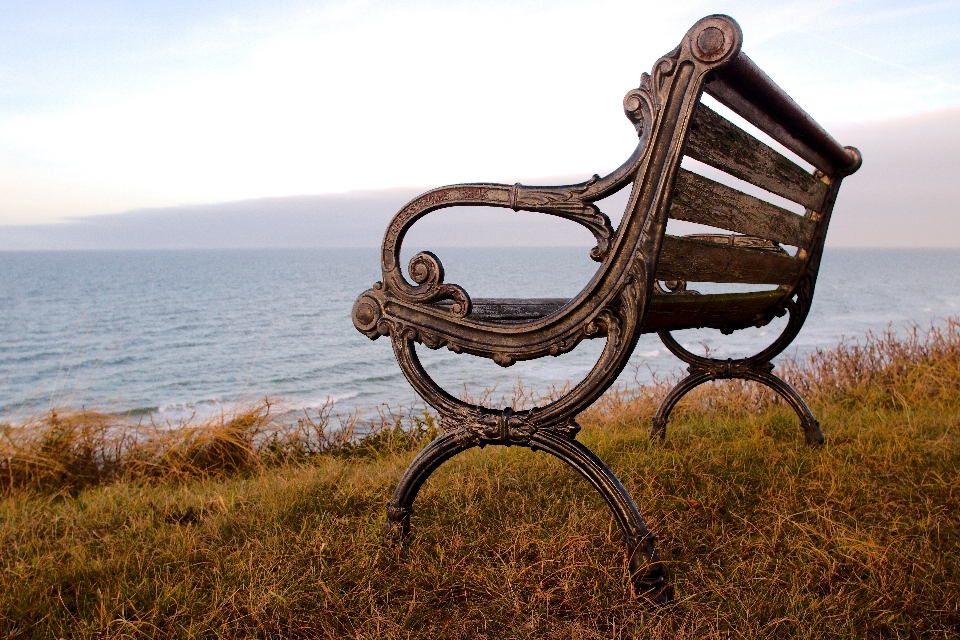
[(174, 334)]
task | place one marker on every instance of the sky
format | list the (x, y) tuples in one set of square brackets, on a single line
[(108, 107)]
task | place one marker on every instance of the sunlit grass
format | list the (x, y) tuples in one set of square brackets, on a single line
[(245, 527)]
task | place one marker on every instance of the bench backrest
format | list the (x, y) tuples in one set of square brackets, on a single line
[(669, 105), (755, 257)]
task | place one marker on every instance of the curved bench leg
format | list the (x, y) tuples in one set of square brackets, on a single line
[(810, 425), (685, 386), (400, 507), (646, 571)]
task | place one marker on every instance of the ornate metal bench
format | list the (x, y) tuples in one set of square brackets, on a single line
[(641, 283)]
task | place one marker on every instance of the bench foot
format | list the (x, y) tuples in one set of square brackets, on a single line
[(647, 574), (397, 525), (648, 578), (706, 369)]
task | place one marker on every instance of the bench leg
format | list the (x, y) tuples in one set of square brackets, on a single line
[(757, 368), (646, 571), (688, 384), (400, 507), (810, 425)]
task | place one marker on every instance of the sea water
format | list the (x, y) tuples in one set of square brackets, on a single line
[(172, 334)]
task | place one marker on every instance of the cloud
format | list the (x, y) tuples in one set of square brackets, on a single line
[(907, 194), (352, 219), (367, 95)]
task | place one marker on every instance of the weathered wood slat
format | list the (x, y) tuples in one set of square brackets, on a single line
[(718, 311), (705, 261), (698, 199), (510, 309), (670, 312), (721, 144)]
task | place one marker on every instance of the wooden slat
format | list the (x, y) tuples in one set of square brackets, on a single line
[(704, 201), (514, 309), (718, 311), (721, 144), (671, 312), (510, 309), (704, 261)]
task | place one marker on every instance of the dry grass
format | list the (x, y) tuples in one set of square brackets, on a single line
[(259, 535), (70, 451)]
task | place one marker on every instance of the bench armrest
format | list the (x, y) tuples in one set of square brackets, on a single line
[(572, 202)]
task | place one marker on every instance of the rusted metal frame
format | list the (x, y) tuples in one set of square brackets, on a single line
[(573, 202), (623, 312), (394, 301), (613, 305), (468, 426), (743, 87), (662, 109), (703, 370), (647, 573), (704, 201)]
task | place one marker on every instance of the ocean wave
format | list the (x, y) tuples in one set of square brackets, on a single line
[(208, 408), (307, 404)]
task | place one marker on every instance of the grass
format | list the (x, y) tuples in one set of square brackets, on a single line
[(235, 529)]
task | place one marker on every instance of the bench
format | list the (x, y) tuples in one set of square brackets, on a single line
[(641, 284)]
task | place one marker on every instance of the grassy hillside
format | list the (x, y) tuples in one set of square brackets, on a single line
[(233, 529)]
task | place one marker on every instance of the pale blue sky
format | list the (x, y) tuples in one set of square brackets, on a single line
[(110, 106)]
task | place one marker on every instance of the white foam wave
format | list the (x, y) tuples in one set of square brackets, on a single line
[(314, 403)]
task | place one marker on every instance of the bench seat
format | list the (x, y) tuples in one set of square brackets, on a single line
[(666, 312)]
